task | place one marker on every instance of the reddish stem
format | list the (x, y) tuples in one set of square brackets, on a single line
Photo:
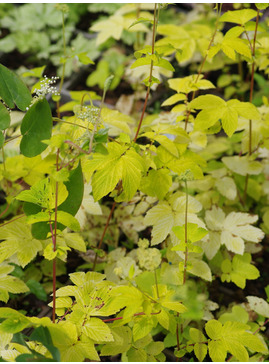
[(6, 209), (104, 232), (136, 314), (10, 221)]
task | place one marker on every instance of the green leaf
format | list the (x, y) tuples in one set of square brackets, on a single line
[(242, 270), (119, 164), (200, 350), (18, 242), (75, 189), (34, 72), (226, 266), (242, 165), (37, 289), (84, 59), (162, 219), (194, 232), (132, 166), (238, 314), (174, 99), (13, 90), (196, 335), (13, 325), (141, 20), (41, 334), (157, 61), (207, 101), (213, 329), (175, 306), (67, 219), (74, 241), (236, 349), (105, 180), (136, 355), (43, 194), (238, 16), (4, 117), (163, 319), (227, 187), (156, 183), (36, 126), (97, 330), (261, 6), (122, 341), (217, 351), (245, 109), (142, 328)]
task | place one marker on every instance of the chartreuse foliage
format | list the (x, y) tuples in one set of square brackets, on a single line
[(197, 197)]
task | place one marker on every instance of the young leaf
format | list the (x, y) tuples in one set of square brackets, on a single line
[(13, 90), (194, 232), (36, 126), (43, 194)]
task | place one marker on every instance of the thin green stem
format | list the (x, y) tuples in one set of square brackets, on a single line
[(53, 238), (185, 256), (186, 235), (251, 95), (3, 157), (58, 120), (156, 283), (150, 73), (64, 46), (63, 69)]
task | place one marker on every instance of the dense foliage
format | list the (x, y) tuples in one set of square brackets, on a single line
[(134, 182)]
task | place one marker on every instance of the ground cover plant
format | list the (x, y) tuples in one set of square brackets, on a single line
[(134, 182)]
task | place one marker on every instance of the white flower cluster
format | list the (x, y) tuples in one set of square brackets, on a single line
[(89, 113), (45, 89), (123, 267), (143, 243), (149, 259)]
